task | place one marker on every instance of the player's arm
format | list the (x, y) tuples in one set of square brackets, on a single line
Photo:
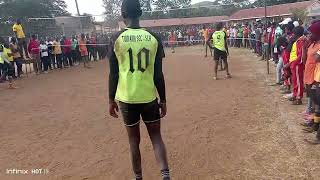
[(158, 73), (158, 78), (113, 75), (209, 41), (225, 43), (113, 81)]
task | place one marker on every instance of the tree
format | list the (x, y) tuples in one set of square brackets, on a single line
[(23, 9), (146, 5), (299, 14), (32, 8), (113, 12)]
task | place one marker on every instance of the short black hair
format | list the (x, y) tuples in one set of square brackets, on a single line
[(298, 31), (131, 9), (219, 26), (283, 41), (290, 26), (34, 36)]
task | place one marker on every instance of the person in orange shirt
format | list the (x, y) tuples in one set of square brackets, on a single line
[(84, 51), (205, 34), (312, 77), (172, 41)]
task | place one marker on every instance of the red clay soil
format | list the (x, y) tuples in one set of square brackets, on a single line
[(226, 129)]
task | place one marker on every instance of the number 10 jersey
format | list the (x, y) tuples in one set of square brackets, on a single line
[(136, 51)]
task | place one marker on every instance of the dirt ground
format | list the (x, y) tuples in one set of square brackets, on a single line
[(227, 129)]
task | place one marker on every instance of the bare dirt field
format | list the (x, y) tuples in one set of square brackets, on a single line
[(227, 129)]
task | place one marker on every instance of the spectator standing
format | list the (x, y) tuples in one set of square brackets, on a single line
[(44, 56), (57, 52), (16, 56), (34, 51), (205, 35), (84, 51), (75, 50), (258, 34), (240, 36), (296, 66), (21, 37), (51, 54), (67, 51), (172, 41), (93, 45), (246, 36)]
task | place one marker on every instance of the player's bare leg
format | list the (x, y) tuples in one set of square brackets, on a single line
[(154, 130), (11, 85), (226, 66), (206, 50), (216, 65), (134, 142)]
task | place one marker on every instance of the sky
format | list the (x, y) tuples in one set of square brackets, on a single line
[(93, 6)]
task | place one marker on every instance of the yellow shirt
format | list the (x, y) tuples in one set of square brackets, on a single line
[(7, 51), (136, 51), (17, 28), (56, 48)]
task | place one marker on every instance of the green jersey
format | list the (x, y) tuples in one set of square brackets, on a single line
[(219, 40), (135, 51)]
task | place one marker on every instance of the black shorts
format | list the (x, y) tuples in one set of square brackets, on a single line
[(132, 113), (218, 54), (7, 69)]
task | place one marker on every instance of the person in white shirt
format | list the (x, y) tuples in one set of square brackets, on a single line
[(44, 56)]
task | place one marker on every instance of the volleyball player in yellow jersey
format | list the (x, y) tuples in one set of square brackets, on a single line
[(135, 78), (218, 42)]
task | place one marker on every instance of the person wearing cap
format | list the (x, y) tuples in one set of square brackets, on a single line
[(135, 79)]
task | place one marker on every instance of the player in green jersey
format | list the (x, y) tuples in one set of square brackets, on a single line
[(135, 57), (217, 42)]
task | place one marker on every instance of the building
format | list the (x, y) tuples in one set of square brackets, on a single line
[(174, 22), (275, 12)]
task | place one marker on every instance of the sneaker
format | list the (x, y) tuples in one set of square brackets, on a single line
[(45, 72), (215, 78), (297, 102)]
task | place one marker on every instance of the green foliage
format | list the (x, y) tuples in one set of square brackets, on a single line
[(113, 12), (23, 9), (299, 14)]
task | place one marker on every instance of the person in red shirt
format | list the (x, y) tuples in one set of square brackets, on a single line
[(34, 51), (274, 55), (93, 44), (67, 60), (296, 66), (246, 32)]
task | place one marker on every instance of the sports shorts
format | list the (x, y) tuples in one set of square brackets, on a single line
[(218, 54), (132, 113)]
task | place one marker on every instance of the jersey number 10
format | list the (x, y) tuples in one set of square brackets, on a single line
[(146, 53)]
